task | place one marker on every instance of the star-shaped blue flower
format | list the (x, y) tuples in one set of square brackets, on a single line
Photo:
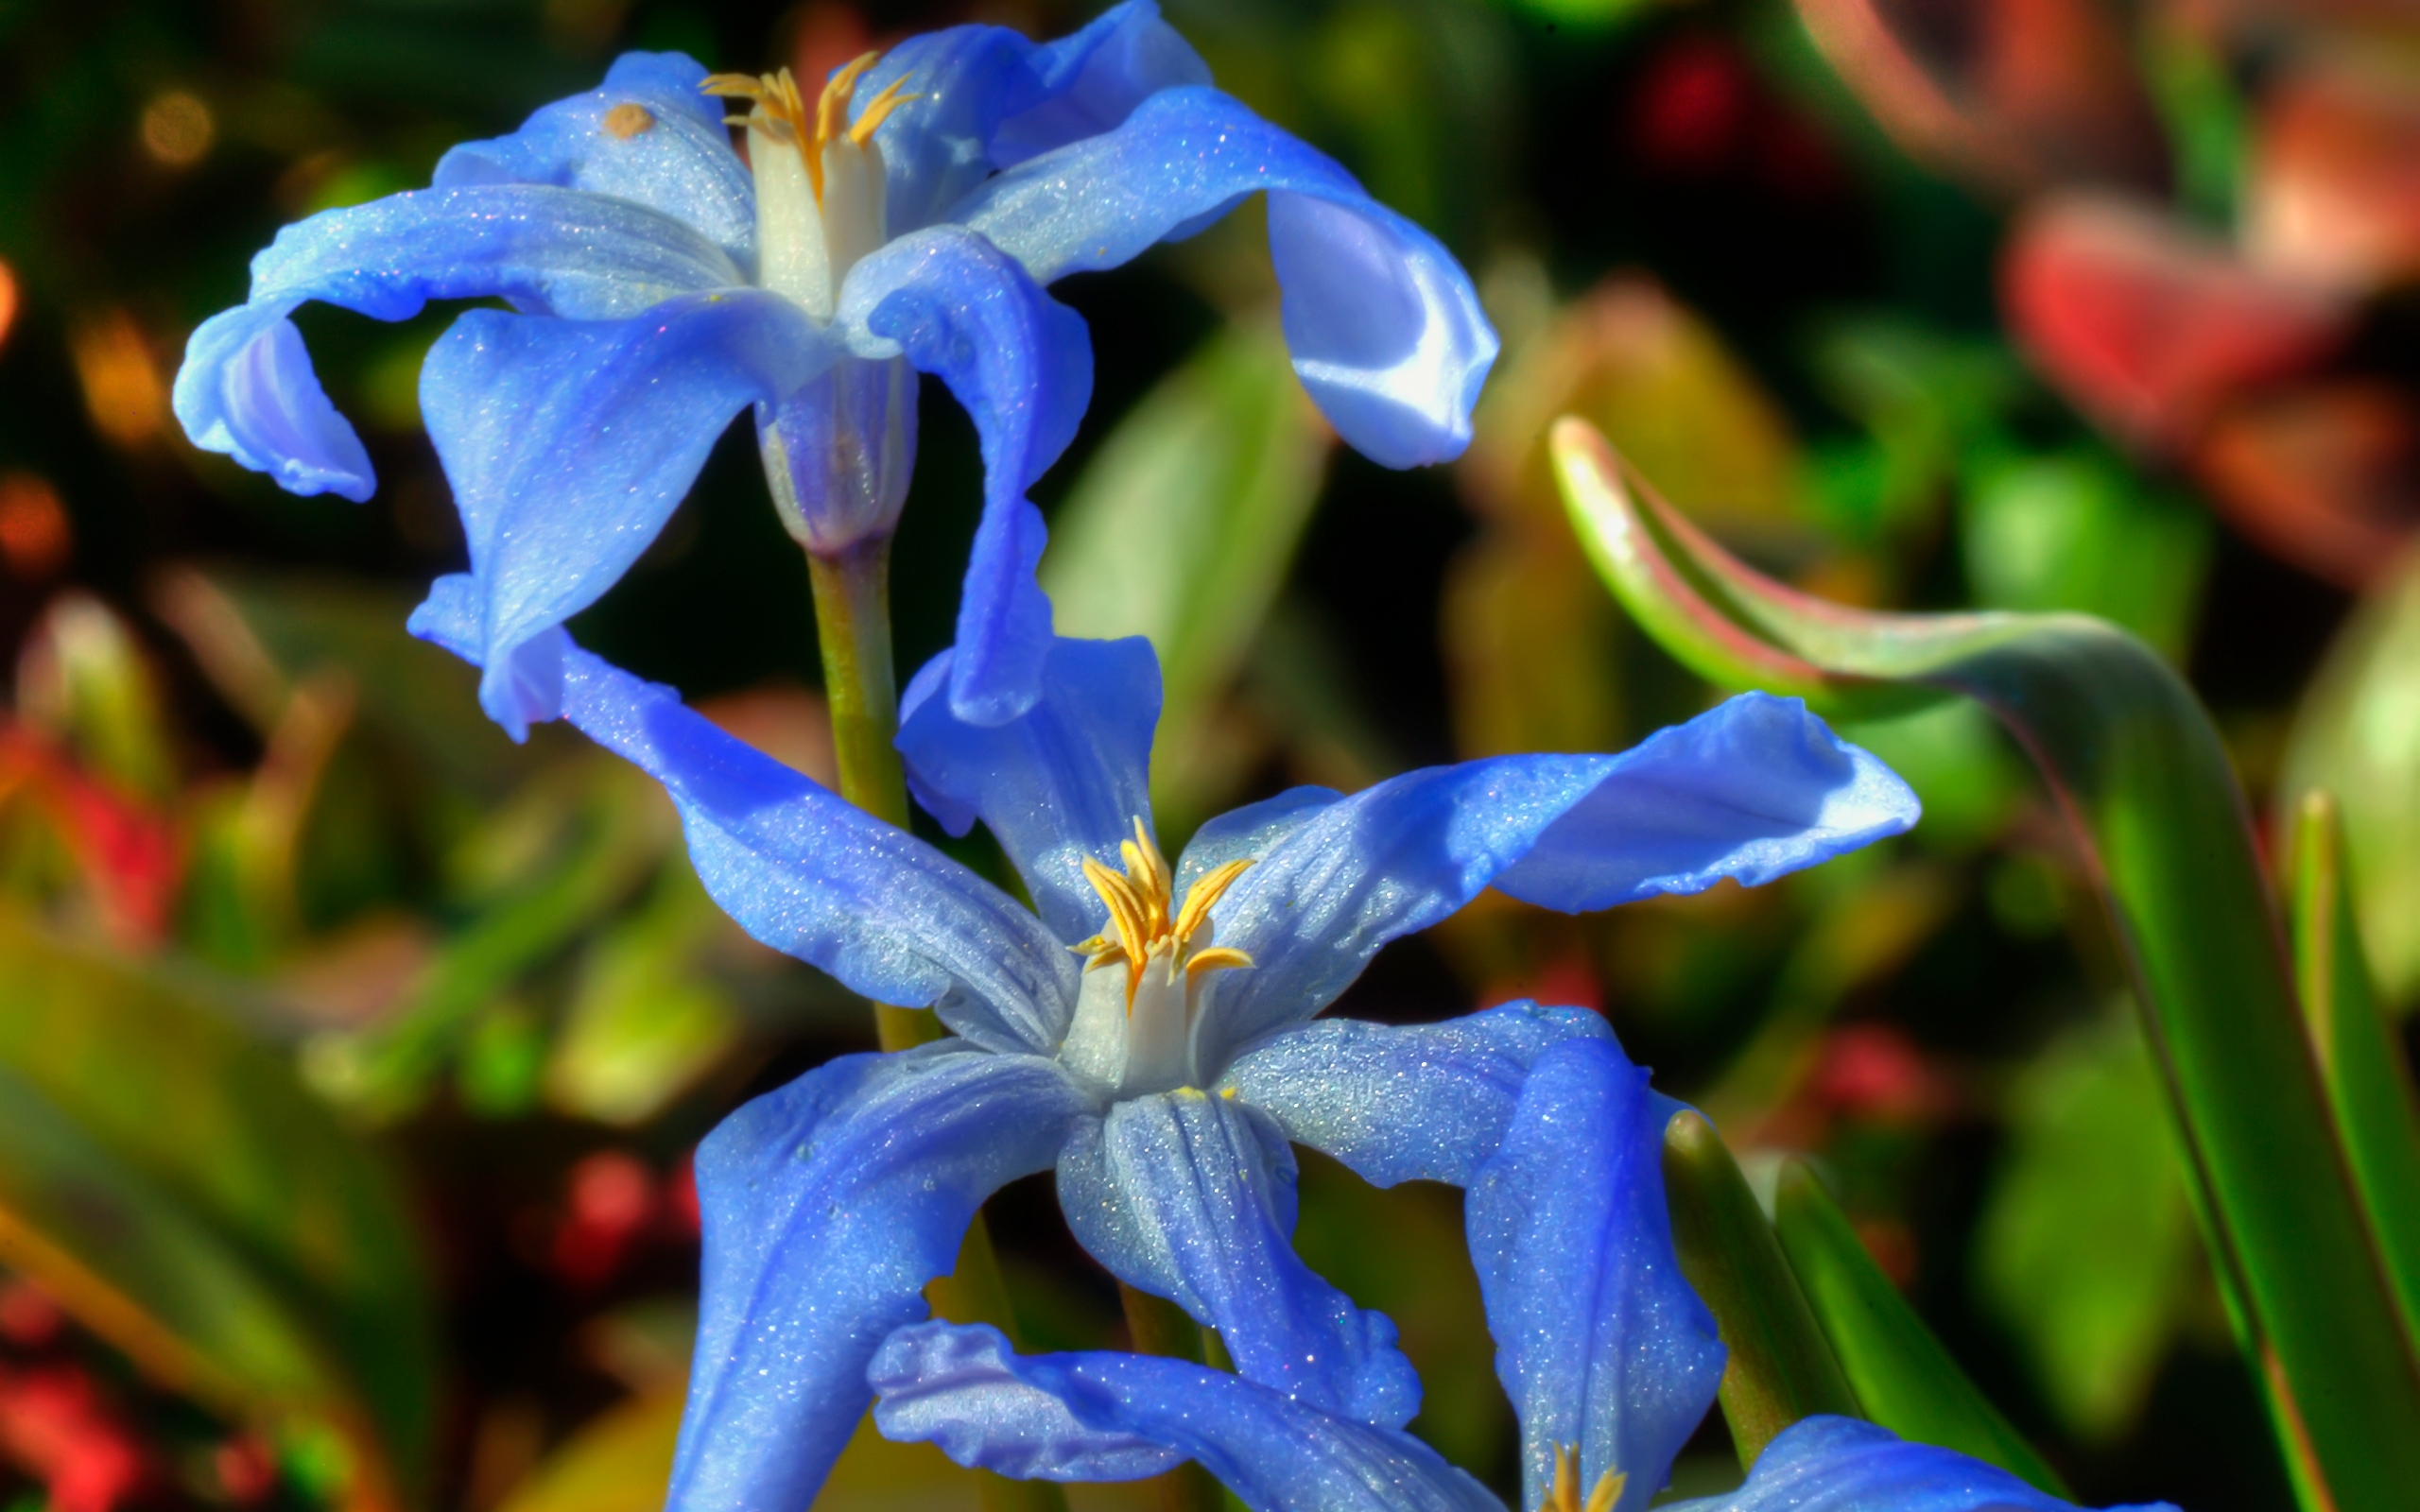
[(1608, 1356), (907, 217), (1147, 1029)]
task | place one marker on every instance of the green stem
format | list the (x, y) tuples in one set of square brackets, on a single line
[(1157, 1326), (853, 626)]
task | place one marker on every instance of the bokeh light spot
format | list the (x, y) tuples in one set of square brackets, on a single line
[(34, 536), (177, 129)]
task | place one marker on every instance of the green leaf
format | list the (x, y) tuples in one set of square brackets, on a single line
[(2369, 1085), (1902, 1375), (2357, 736), (1781, 1367), (82, 680), (215, 1219), (2140, 774), (1181, 529), (2090, 1155)]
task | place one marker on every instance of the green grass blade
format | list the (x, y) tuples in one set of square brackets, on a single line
[(1781, 1368), (2362, 1066), (1901, 1373), (2139, 773)]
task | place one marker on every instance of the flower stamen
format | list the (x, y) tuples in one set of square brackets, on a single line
[(781, 109), (1564, 1497), (1144, 926)]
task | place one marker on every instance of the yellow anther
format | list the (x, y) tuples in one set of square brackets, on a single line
[(1565, 1495), (1146, 924), (878, 110)]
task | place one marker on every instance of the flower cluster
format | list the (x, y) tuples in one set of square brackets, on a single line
[(1148, 1029)]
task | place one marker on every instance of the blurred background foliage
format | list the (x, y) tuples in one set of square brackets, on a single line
[(350, 1055)]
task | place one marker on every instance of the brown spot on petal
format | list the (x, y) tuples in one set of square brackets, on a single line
[(626, 120)]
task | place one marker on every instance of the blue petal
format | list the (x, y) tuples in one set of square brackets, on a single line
[(1251, 831), (1385, 329), (1021, 364), (805, 871), (839, 453), (1840, 1464), (247, 388), (570, 442), (1191, 1197), (1751, 789), (1400, 1103), (1599, 1339), (828, 1204), (679, 164), (986, 90), (1098, 1417), (1062, 781), (1093, 80)]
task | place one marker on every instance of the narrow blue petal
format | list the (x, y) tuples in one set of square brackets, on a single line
[(828, 1204), (1753, 789), (569, 444), (1021, 364), (1191, 1197), (1599, 1339), (840, 452), (985, 90), (247, 388), (676, 159), (1093, 80), (1253, 830), (1842, 1464), (1385, 328), (805, 871), (1425, 1102), (1095, 1417), (1062, 781)]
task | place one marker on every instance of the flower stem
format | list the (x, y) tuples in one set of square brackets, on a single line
[(1157, 1326), (852, 626)]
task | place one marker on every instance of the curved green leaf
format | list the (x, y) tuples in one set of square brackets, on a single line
[(2368, 1084), (1781, 1367), (1903, 1377), (2139, 773)]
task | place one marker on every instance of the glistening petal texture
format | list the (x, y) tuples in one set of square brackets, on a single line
[(986, 91), (1360, 871), (247, 388), (1599, 1341), (1386, 330), (1191, 1197), (1093, 80), (1750, 790), (1062, 781), (1842, 1464), (807, 872), (1404, 1102), (570, 442), (1021, 364), (1249, 833), (648, 135), (1094, 1417), (827, 1206)]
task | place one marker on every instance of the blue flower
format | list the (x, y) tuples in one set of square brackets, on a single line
[(906, 218), (1146, 1028), (1608, 1356)]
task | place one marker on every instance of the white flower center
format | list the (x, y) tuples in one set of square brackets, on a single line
[(818, 178), (1149, 977)]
